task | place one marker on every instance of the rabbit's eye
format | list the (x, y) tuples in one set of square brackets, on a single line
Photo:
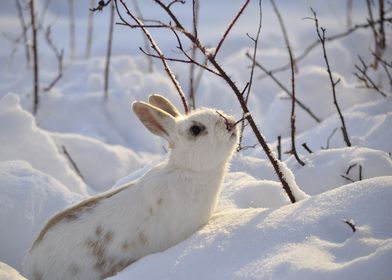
[(195, 130)]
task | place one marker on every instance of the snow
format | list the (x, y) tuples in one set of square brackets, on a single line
[(28, 197), (298, 241), (256, 233), (9, 273)]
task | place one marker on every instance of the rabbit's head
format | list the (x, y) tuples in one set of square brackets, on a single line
[(201, 140)]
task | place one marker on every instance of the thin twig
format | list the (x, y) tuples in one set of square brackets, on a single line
[(351, 224), (250, 82), (72, 162), (347, 178), (297, 101), (350, 167), (35, 57), (195, 20), (158, 51), (333, 83), (307, 148), (364, 77), (279, 147), (59, 56), (330, 137), (292, 64), (317, 42), (232, 23), (150, 63), (24, 32)]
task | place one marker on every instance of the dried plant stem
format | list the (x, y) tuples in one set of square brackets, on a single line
[(333, 83), (35, 57), (109, 51)]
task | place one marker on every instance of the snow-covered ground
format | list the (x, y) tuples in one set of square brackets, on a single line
[(256, 233)]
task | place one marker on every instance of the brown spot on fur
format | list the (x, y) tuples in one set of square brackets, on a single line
[(142, 238), (159, 202), (74, 269), (37, 275), (105, 264), (74, 212), (115, 267)]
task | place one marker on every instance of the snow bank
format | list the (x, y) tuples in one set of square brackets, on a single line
[(331, 165), (300, 241), (21, 139), (28, 197), (9, 273), (100, 164)]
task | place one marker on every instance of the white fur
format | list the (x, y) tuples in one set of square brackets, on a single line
[(162, 208)]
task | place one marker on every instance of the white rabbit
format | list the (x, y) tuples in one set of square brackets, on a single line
[(103, 234)]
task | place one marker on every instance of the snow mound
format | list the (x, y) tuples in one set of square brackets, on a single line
[(28, 197), (100, 164), (21, 139), (338, 167), (299, 241), (9, 273), (244, 191)]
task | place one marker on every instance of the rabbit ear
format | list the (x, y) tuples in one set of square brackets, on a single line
[(164, 104), (154, 119)]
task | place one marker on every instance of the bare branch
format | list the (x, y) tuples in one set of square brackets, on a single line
[(311, 46), (292, 63), (297, 101), (333, 83), (35, 57), (307, 148), (59, 56), (365, 78), (158, 51), (24, 31), (150, 64), (72, 162), (239, 13), (250, 82)]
